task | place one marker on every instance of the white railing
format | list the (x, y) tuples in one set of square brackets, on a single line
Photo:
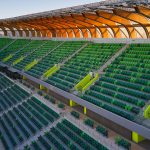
[(105, 40), (95, 40)]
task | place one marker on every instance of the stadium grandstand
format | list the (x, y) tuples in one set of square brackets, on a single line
[(76, 78)]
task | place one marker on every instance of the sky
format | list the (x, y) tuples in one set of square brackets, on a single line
[(13, 8)]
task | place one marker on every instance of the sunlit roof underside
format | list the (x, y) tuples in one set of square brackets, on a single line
[(95, 20)]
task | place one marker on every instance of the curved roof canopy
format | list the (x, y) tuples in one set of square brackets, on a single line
[(97, 20)]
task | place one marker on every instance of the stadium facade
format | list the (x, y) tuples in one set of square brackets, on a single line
[(90, 62)]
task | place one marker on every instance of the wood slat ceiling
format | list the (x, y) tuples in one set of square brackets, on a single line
[(83, 22)]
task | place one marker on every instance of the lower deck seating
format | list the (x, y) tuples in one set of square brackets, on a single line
[(4, 82), (11, 97), (24, 121), (10, 94), (66, 136)]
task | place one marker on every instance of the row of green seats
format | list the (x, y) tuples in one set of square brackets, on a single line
[(55, 57), (10, 93), (130, 89), (4, 42), (4, 82), (101, 103), (43, 48), (13, 48), (125, 86), (89, 59), (119, 90), (24, 121), (66, 136), (11, 97), (29, 48)]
